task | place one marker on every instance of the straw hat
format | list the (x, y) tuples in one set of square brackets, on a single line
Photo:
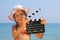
[(15, 8)]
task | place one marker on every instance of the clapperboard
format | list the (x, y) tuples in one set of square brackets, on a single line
[(35, 25)]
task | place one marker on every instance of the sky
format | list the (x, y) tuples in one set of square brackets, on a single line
[(50, 9)]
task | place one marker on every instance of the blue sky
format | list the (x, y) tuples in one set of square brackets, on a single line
[(50, 9)]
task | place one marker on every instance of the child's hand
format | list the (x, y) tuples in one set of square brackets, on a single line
[(43, 21), (24, 21)]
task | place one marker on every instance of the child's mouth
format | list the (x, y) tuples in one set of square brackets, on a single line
[(20, 19)]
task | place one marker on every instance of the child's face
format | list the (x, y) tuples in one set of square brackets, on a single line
[(19, 16)]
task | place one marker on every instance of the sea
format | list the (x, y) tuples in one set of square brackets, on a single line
[(52, 32)]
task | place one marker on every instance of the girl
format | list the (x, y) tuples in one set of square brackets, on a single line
[(19, 15)]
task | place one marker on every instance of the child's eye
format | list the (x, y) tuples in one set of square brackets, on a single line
[(16, 15)]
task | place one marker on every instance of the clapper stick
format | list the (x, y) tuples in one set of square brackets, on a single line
[(37, 11)]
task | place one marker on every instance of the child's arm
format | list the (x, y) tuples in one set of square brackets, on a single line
[(20, 29), (40, 35), (15, 32)]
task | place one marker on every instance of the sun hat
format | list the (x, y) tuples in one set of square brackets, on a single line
[(15, 8)]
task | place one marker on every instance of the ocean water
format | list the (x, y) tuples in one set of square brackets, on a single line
[(52, 32)]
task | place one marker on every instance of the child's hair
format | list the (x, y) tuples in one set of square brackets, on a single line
[(15, 20)]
